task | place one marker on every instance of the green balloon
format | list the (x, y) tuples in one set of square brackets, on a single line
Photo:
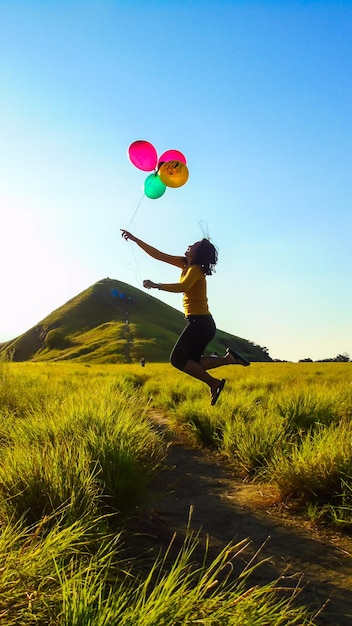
[(154, 187)]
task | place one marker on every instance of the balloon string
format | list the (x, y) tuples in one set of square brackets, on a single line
[(136, 209), (136, 272)]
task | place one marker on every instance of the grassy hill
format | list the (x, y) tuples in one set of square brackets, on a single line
[(112, 322)]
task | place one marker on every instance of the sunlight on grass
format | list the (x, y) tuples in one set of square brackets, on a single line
[(77, 456), (83, 448), (73, 576), (289, 424)]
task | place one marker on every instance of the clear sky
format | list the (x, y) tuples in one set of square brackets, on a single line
[(256, 94)]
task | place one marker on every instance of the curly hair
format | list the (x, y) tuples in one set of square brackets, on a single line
[(206, 256)]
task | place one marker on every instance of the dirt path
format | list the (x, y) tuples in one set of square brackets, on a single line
[(226, 509)]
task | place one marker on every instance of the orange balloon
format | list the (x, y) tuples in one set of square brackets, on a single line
[(174, 173)]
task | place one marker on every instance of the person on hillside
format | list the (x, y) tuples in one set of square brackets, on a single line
[(187, 355)]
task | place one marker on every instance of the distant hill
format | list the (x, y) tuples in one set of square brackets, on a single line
[(112, 322)]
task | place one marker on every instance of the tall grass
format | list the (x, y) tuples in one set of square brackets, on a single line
[(288, 424), (87, 449), (314, 469), (30, 561), (251, 442), (77, 452), (73, 576)]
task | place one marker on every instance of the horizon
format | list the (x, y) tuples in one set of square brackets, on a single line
[(108, 278)]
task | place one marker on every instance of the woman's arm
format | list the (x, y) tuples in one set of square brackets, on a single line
[(178, 261), (187, 281)]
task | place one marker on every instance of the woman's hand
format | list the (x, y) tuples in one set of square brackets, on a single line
[(148, 284), (127, 235)]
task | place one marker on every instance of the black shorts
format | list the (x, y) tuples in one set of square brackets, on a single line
[(200, 330)]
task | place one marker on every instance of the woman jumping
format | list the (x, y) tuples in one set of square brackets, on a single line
[(187, 355)]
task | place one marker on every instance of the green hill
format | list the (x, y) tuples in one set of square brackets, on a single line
[(112, 322)]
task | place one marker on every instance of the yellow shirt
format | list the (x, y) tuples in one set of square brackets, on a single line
[(193, 285)]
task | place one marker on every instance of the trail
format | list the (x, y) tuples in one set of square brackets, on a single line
[(228, 510)]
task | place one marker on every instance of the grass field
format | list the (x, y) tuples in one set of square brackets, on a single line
[(77, 455), (283, 423)]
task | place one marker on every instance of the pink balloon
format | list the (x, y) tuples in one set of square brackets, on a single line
[(143, 155), (172, 155)]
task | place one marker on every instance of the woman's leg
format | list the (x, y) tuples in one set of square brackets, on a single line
[(191, 344), (195, 369), (210, 362), (186, 354), (231, 358)]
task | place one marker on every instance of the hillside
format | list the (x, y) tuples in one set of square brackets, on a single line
[(112, 322)]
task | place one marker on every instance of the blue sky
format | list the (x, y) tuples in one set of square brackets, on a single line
[(257, 95)]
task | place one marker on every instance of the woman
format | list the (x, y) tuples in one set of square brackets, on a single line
[(187, 355)]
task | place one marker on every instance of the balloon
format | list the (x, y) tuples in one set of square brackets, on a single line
[(171, 155), (143, 155), (174, 173), (153, 187)]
